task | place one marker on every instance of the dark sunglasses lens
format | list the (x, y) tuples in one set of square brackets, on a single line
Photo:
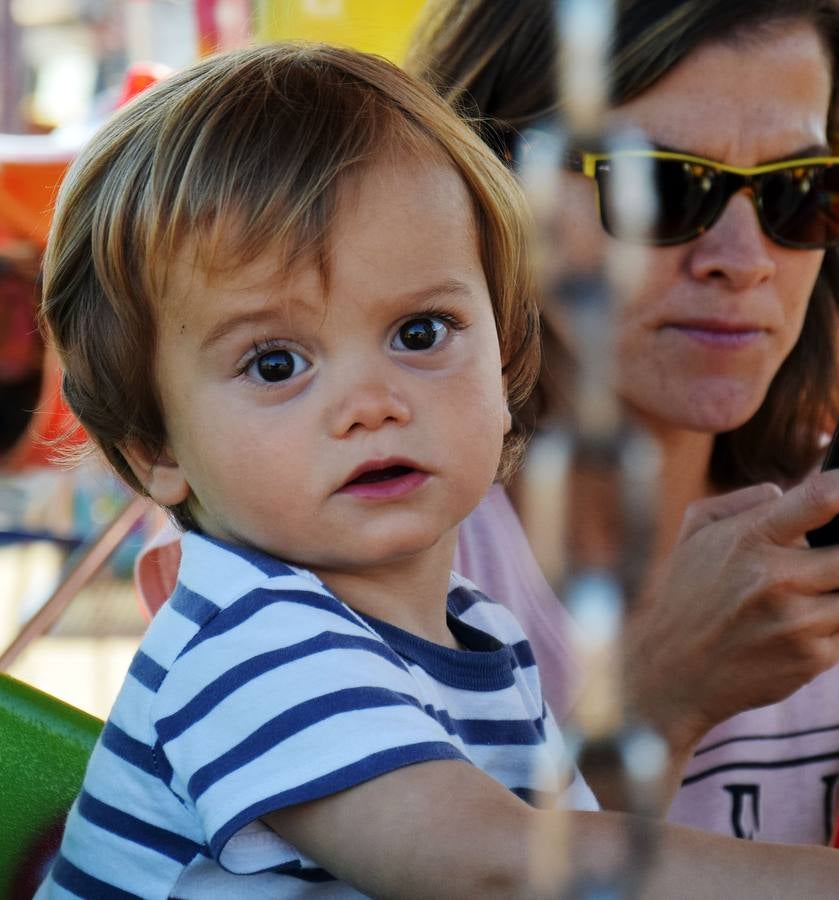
[(689, 197), (800, 206), (686, 196)]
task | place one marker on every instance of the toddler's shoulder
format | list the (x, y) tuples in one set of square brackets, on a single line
[(236, 612)]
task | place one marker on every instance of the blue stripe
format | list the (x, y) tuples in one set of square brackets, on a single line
[(490, 732), (479, 672), (163, 767), (209, 697), (290, 722), (296, 870), (259, 599), (149, 673), (358, 772), (268, 565), (129, 749), (498, 733), (523, 653), (118, 822), (540, 799), (473, 638), (461, 599), (72, 879), (192, 606), (488, 666)]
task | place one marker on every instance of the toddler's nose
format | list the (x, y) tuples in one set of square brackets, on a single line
[(369, 405)]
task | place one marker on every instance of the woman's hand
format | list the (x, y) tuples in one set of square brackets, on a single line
[(742, 614)]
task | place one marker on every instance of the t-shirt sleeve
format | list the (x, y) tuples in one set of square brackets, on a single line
[(285, 697)]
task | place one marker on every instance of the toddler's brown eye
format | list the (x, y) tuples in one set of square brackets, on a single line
[(274, 366), (420, 334)]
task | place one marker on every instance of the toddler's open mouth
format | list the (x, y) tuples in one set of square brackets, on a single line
[(384, 479), (375, 475)]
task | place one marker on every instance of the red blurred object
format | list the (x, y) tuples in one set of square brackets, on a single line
[(138, 77), (222, 24), (32, 415), (51, 430), (21, 349), (35, 424), (27, 193), (31, 410), (208, 34)]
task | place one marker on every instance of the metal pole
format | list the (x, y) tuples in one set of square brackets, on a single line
[(606, 465)]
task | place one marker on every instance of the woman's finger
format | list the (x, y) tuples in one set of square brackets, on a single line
[(813, 571), (724, 506), (812, 503)]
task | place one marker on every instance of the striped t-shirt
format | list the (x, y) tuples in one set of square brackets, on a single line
[(254, 689)]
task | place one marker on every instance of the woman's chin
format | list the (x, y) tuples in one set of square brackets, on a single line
[(709, 413)]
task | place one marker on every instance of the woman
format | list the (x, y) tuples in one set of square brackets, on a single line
[(726, 355)]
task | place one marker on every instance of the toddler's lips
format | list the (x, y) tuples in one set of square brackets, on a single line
[(384, 479), (374, 475)]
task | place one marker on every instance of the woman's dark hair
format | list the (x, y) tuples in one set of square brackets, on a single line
[(496, 61)]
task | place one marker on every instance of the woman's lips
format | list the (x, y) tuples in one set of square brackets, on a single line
[(719, 335)]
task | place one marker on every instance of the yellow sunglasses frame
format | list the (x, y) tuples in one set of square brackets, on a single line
[(586, 163)]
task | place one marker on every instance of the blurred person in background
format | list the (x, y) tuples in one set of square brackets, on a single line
[(726, 354)]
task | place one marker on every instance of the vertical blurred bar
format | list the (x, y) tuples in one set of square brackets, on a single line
[(137, 29), (604, 467), (160, 31), (585, 32), (11, 71)]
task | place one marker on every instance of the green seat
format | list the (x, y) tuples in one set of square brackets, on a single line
[(44, 747)]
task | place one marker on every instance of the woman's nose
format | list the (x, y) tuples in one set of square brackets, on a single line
[(735, 250)]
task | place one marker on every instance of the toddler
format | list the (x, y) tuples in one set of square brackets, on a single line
[(291, 300)]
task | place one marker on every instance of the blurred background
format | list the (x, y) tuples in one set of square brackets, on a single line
[(69, 533)]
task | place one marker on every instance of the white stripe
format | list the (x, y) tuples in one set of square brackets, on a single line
[(218, 574), (316, 752), (101, 854), (260, 699)]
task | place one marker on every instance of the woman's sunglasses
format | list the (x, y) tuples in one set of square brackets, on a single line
[(797, 200)]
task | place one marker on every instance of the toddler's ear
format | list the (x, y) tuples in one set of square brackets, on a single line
[(159, 473)]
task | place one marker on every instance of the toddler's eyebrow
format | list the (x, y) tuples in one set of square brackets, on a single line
[(448, 288), (227, 326)]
